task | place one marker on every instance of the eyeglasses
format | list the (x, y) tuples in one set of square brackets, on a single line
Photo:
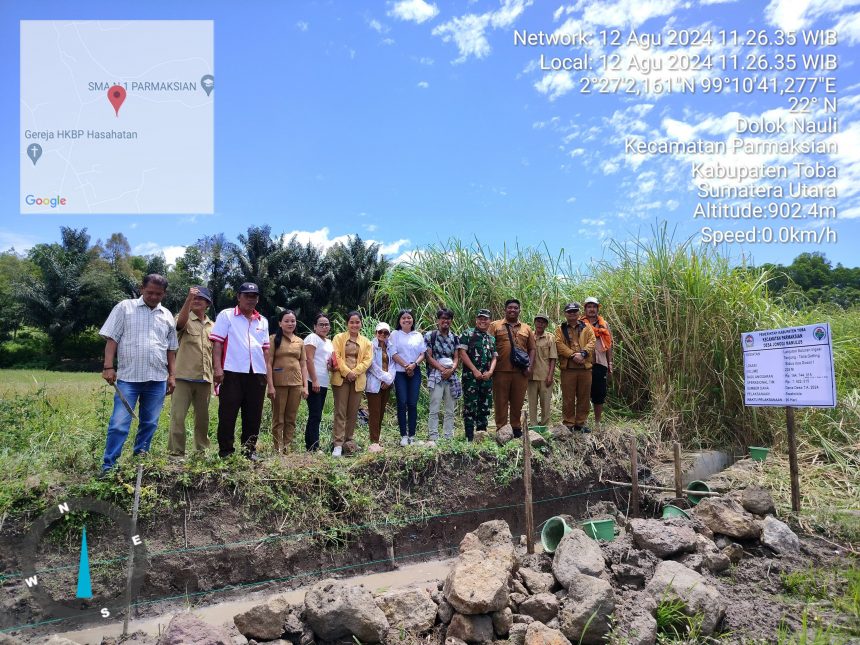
[(384, 333), (323, 324)]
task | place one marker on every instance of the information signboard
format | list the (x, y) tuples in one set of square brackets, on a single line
[(789, 367)]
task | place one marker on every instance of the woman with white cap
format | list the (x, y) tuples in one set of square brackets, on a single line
[(380, 378)]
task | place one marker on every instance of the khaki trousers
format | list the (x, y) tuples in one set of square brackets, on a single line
[(346, 402), (575, 395), (376, 403), (509, 393), (184, 396), (284, 410), (539, 392)]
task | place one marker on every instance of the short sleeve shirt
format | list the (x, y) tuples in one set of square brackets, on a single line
[(545, 349), (244, 340), (287, 360), (523, 336), (322, 352), (408, 346), (480, 347), (194, 358), (444, 347), (143, 337)]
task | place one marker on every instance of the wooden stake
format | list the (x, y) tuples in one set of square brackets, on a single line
[(527, 482), (678, 487), (131, 550), (792, 459), (634, 478)]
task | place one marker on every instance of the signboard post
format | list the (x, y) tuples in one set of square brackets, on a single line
[(790, 367)]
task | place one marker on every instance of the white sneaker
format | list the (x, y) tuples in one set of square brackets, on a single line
[(404, 441), (374, 447), (337, 452), (411, 440)]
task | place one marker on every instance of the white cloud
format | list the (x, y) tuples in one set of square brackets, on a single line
[(407, 256), (377, 26), (423, 85), (426, 60), (387, 41), (468, 31), (301, 25), (370, 227), (555, 84), (322, 241), (793, 15), (848, 28), (171, 253), (18, 241), (392, 247), (414, 10), (570, 200), (621, 13)]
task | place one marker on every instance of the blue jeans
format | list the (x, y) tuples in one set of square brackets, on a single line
[(407, 389), (151, 395)]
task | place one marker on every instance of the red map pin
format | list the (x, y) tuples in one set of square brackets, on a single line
[(116, 95)]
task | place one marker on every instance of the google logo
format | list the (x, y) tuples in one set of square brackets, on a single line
[(53, 202)]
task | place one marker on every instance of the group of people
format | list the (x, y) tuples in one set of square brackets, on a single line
[(501, 362)]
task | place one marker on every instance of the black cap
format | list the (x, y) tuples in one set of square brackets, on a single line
[(249, 287), (572, 306), (203, 292), (484, 312)]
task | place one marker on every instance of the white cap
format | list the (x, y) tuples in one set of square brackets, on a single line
[(591, 300), (383, 326)]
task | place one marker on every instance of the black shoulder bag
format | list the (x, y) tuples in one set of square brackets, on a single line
[(519, 357)]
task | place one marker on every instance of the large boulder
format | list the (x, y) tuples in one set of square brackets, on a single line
[(539, 634), (726, 516), (663, 540), (584, 615), (757, 500), (264, 622), (673, 580), (542, 607), (472, 629), (334, 610), (517, 635), (635, 621), (478, 581), (536, 581), (576, 553), (536, 438), (410, 609), (779, 537), (188, 629)]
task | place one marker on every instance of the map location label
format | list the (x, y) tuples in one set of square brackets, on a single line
[(208, 83), (116, 95), (34, 151)]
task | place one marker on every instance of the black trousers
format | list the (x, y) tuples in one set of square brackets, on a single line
[(316, 403), (243, 393)]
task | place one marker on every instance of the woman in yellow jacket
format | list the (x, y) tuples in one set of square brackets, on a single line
[(350, 362), (288, 380)]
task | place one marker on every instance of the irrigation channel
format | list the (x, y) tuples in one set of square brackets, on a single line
[(221, 579)]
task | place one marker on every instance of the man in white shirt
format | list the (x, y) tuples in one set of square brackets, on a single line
[(141, 334), (240, 350)]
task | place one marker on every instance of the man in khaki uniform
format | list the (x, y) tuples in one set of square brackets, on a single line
[(540, 383), (575, 341), (510, 383), (193, 372)]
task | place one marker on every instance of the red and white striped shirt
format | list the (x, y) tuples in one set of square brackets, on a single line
[(244, 340)]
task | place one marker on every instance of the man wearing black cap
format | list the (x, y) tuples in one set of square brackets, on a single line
[(240, 350), (193, 372), (574, 341)]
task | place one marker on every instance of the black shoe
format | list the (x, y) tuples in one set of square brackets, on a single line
[(585, 430), (577, 428), (518, 433), (252, 456)]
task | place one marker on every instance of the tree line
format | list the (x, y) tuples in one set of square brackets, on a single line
[(67, 288)]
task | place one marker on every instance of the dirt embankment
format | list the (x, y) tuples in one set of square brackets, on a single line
[(216, 547)]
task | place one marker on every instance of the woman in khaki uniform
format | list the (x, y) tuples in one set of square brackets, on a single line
[(350, 362), (287, 374)]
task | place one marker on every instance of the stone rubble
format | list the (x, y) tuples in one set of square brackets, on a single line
[(583, 593)]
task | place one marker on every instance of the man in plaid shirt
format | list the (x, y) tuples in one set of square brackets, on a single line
[(141, 334)]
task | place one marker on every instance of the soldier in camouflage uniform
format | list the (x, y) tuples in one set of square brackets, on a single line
[(478, 356)]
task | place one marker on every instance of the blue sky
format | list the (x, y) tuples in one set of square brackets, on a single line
[(410, 121)]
